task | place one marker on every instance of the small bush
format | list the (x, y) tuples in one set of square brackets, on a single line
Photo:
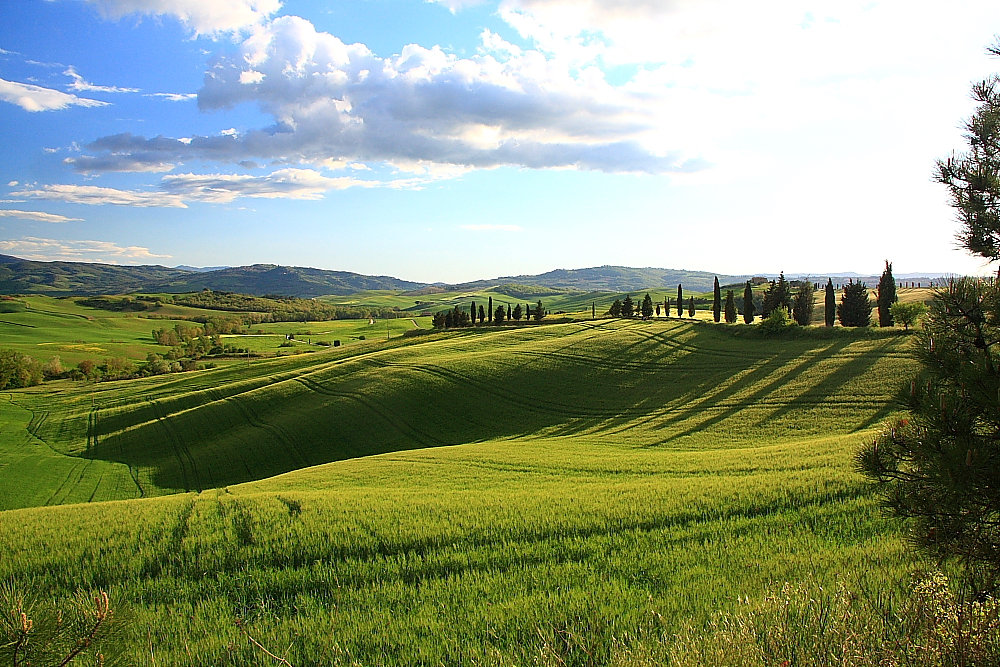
[(775, 323)]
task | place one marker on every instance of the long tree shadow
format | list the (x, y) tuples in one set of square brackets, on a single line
[(418, 397), (764, 390), (819, 394)]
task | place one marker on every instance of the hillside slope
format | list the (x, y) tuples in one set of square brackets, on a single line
[(617, 482), (633, 384), (19, 276)]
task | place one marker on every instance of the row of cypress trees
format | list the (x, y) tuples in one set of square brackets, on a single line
[(458, 317), (854, 309)]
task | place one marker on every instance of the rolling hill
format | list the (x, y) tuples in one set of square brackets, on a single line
[(19, 276), (570, 494)]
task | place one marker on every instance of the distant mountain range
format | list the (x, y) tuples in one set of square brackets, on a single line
[(20, 276), (201, 269)]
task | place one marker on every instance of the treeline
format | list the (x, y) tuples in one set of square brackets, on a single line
[(487, 315), (274, 308), (184, 333), (782, 301), (20, 370), (125, 304)]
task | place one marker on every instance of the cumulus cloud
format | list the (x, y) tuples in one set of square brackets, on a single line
[(81, 85), (60, 250), (337, 102), (204, 17), (36, 98), (37, 216)]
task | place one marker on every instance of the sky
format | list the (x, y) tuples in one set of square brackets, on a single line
[(453, 140)]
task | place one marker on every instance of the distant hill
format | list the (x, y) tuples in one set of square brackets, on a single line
[(201, 269), (18, 276), (610, 279)]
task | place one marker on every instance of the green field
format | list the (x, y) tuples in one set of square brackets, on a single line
[(567, 494), (573, 302), (50, 326), (554, 300)]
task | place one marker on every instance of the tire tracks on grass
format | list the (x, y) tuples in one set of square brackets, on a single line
[(387, 415), (253, 419)]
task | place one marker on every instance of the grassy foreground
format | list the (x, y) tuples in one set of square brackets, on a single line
[(572, 494)]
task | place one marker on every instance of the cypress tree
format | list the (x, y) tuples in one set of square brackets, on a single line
[(680, 301), (691, 307), (855, 309), (647, 307), (482, 314), (748, 307), (830, 303), (657, 309), (539, 311), (489, 310), (717, 302), (509, 313), (499, 315), (886, 296), (628, 308), (802, 312), (518, 313), (593, 310), (472, 313), (730, 307), (616, 309)]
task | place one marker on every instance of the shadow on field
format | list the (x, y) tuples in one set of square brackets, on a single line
[(637, 383), (751, 389)]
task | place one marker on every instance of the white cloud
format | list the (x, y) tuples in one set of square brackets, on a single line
[(174, 97), (282, 184), (491, 228), (97, 196), (37, 216), (81, 85), (204, 17), (60, 250), (334, 102), (176, 189), (36, 98)]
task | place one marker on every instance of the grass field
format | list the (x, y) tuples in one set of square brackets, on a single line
[(573, 302), (569, 494), (60, 327)]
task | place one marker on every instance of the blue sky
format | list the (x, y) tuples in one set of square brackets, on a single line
[(455, 140)]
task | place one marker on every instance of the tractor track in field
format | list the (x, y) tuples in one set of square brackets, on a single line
[(401, 425), (179, 446), (278, 433)]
